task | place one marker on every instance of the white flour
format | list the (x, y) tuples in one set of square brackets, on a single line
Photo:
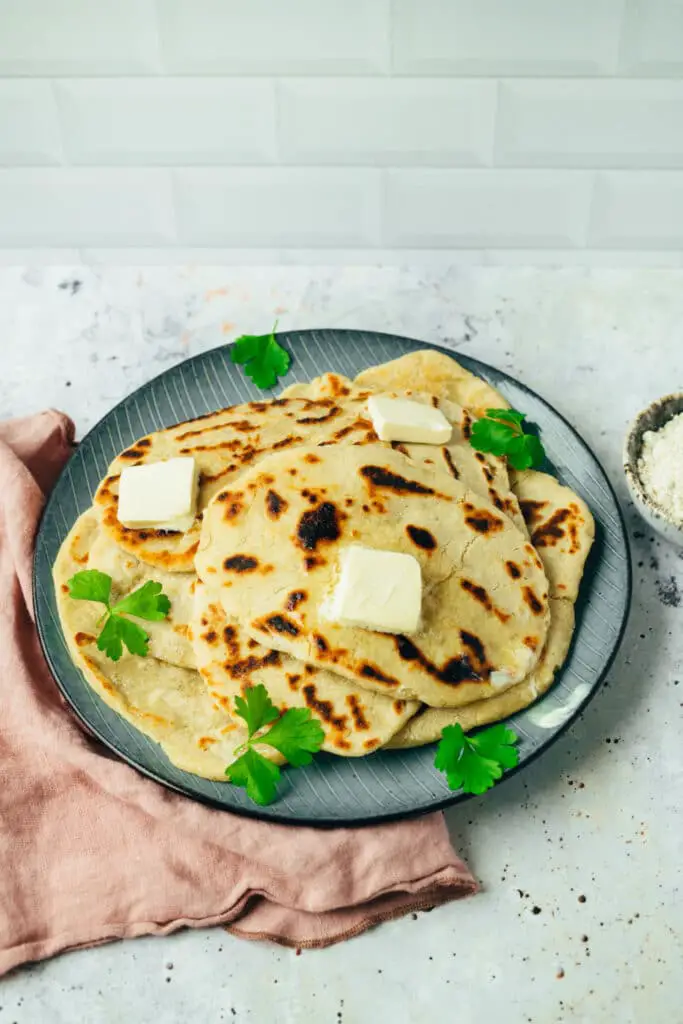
[(661, 466)]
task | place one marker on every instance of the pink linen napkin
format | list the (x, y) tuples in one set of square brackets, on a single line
[(92, 851)]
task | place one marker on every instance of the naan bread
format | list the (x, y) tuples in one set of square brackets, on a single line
[(436, 373), (486, 474), (175, 707), (169, 638), (328, 385), (272, 545), (356, 721), (168, 703), (427, 725), (561, 528), (279, 480), (224, 444), (568, 525)]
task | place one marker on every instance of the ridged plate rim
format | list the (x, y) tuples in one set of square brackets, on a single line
[(387, 785)]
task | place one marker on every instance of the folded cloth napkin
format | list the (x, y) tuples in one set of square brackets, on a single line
[(91, 851)]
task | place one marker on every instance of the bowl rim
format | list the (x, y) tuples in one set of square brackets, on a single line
[(633, 440)]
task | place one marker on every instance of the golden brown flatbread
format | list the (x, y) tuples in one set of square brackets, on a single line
[(168, 703), (330, 410), (168, 638), (279, 533), (356, 721), (438, 374), (224, 444), (561, 528), (565, 521), (427, 725), (278, 478)]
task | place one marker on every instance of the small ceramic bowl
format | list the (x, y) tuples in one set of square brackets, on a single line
[(652, 418)]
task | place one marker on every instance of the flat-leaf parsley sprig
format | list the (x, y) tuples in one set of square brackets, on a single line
[(475, 763), (263, 358), (295, 734), (500, 432), (147, 602)]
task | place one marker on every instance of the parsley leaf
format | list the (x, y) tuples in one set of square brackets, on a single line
[(263, 358), (295, 734), (147, 602), (109, 640), (90, 585), (257, 774), (133, 636), (246, 347), (475, 763), (500, 432), (256, 708), (507, 415)]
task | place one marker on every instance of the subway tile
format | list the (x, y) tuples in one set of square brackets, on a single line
[(637, 209), (262, 37), (177, 256), (486, 208), (592, 123), (167, 121), (278, 207), (29, 128), (652, 39), (74, 207), (506, 37), (78, 37), (387, 121), (618, 258), (38, 256), (383, 257)]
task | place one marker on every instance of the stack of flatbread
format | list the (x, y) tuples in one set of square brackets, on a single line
[(285, 486)]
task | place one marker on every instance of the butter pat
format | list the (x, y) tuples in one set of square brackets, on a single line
[(378, 590), (400, 419), (501, 678), (159, 495), (524, 661)]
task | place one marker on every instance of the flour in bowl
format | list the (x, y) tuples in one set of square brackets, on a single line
[(661, 467)]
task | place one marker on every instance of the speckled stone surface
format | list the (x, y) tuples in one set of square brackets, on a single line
[(579, 856)]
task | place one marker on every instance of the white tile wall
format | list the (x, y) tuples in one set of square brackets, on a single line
[(167, 120), (297, 206), (275, 37), (70, 206), (653, 37), (506, 37), (640, 211), (391, 128), (464, 209), (78, 37), (380, 122), (589, 123), (29, 128)]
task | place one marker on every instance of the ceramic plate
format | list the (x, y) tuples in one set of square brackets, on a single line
[(334, 790)]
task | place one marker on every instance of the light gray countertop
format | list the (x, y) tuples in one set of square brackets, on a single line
[(598, 816)]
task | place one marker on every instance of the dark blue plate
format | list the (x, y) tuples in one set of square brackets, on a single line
[(334, 790)]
